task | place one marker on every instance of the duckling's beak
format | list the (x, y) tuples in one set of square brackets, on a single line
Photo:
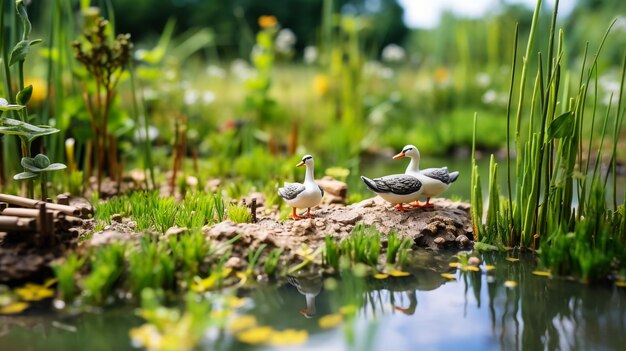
[(400, 155), (300, 164)]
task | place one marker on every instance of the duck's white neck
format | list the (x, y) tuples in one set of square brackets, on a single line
[(309, 177), (414, 165)]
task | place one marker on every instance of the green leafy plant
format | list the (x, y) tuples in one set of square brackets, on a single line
[(238, 214), (105, 60), (66, 272), (38, 167)]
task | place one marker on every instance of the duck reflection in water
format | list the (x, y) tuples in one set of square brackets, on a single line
[(310, 287)]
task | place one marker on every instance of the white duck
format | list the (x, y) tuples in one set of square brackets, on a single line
[(305, 195), (434, 180), (396, 188)]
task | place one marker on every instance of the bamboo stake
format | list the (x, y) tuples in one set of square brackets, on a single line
[(30, 203), (10, 223), (28, 212)]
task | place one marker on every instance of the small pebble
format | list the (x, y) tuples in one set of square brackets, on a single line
[(473, 261)]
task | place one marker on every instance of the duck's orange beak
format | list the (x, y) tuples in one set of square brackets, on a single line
[(400, 155), (300, 164)]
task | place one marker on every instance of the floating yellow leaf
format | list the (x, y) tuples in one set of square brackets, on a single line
[(241, 323), (490, 267), (147, 336), (621, 283), (236, 302), (510, 284), (381, 276), (472, 268), (512, 259), (14, 308), (288, 337), (448, 276), (542, 273), (330, 320), (34, 292), (348, 310), (49, 282), (256, 335), (397, 273), (454, 264)]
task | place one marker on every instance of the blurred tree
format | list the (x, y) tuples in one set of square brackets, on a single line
[(234, 22)]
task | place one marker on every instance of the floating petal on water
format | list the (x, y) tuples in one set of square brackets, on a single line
[(241, 323), (34, 292), (289, 337), (472, 268), (621, 283), (330, 321), (510, 284), (542, 273), (448, 276), (381, 276), (348, 309), (490, 267), (454, 264), (512, 259), (14, 308), (256, 335), (397, 273)]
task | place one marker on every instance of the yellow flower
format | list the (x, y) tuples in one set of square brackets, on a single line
[(454, 264), (256, 335), (441, 74), (14, 308), (472, 268), (40, 90), (321, 85), (289, 337), (620, 283), (267, 21), (241, 323), (490, 267), (330, 321)]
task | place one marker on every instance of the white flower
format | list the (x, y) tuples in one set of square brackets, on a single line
[(489, 97), (483, 79), (310, 54), (216, 71), (208, 97), (241, 69), (285, 40), (191, 97), (393, 53)]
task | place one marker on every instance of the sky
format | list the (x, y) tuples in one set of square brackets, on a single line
[(426, 13)]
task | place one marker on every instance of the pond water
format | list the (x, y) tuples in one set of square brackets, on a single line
[(424, 311)]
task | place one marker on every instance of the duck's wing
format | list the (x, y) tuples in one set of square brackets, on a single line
[(400, 184), (289, 191), (321, 190), (440, 174)]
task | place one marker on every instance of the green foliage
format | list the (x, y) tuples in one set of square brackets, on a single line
[(397, 248), (66, 272), (150, 265), (107, 266), (271, 261), (558, 202), (238, 214)]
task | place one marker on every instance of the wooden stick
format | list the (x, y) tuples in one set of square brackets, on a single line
[(30, 203), (27, 212), (63, 200), (10, 223)]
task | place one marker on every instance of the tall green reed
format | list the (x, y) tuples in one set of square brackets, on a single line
[(556, 191)]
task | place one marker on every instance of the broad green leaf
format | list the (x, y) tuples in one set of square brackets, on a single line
[(20, 51), (55, 167), (29, 164), (15, 127), (23, 97), (5, 106), (25, 176), (561, 126)]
